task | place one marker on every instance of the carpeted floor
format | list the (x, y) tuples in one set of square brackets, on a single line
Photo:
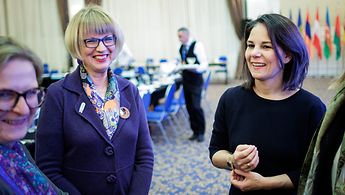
[(183, 167)]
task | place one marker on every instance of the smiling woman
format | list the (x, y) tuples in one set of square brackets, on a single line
[(270, 116), (263, 63), (19, 99), (279, 44), (92, 136)]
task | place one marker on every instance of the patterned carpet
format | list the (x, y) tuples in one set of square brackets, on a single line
[(183, 167)]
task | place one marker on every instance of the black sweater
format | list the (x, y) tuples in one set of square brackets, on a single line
[(280, 129)]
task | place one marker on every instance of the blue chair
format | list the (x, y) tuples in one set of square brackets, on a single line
[(140, 70), (149, 61), (118, 71), (204, 91), (178, 106), (147, 100), (141, 75), (45, 68), (207, 80), (158, 117), (182, 102), (163, 60), (223, 60)]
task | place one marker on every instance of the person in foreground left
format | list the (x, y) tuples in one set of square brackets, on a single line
[(20, 97)]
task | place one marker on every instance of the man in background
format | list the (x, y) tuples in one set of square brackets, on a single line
[(194, 63)]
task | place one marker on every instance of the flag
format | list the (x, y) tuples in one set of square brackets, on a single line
[(337, 38), (327, 50), (343, 39), (299, 21), (308, 36), (343, 43), (316, 35)]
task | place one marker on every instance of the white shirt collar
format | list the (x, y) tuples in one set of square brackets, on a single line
[(189, 42)]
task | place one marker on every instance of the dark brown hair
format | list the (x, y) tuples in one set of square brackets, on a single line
[(285, 34)]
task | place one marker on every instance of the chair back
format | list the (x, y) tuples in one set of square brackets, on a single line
[(223, 59), (169, 97), (163, 60), (45, 68), (118, 71), (147, 100), (140, 70), (181, 99), (149, 61), (207, 80)]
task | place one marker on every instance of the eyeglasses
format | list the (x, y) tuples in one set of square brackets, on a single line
[(9, 98), (94, 42)]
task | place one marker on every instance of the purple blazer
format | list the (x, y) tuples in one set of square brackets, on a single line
[(74, 151)]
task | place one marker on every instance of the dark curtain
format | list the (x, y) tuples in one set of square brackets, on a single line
[(6, 17), (96, 2), (64, 19), (237, 18), (63, 13)]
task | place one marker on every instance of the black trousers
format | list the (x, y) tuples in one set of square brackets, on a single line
[(192, 86)]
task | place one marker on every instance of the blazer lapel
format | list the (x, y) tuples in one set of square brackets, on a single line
[(122, 120), (87, 111)]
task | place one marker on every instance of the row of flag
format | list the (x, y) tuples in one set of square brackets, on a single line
[(313, 37)]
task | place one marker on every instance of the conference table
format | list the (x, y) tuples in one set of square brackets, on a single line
[(158, 87), (154, 82)]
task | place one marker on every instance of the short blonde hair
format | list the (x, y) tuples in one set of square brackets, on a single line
[(10, 50), (90, 20)]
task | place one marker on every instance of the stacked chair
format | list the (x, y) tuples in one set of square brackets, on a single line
[(207, 105), (158, 116)]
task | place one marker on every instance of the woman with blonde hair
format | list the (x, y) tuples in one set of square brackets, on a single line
[(93, 137)]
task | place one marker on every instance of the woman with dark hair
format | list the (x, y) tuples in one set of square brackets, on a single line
[(270, 116)]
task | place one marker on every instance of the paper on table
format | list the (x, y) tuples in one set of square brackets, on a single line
[(187, 66)]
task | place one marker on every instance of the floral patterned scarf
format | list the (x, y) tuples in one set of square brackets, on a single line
[(20, 174), (107, 109)]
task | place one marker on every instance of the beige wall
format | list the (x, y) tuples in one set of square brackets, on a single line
[(36, 24), (150, 27)]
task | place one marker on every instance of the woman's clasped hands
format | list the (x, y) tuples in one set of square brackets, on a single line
[(246, 159)]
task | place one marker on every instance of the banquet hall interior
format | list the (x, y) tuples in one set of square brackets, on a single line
[(151, 55)]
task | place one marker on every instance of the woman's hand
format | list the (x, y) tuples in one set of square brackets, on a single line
[(246, 157), (247, 181)]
